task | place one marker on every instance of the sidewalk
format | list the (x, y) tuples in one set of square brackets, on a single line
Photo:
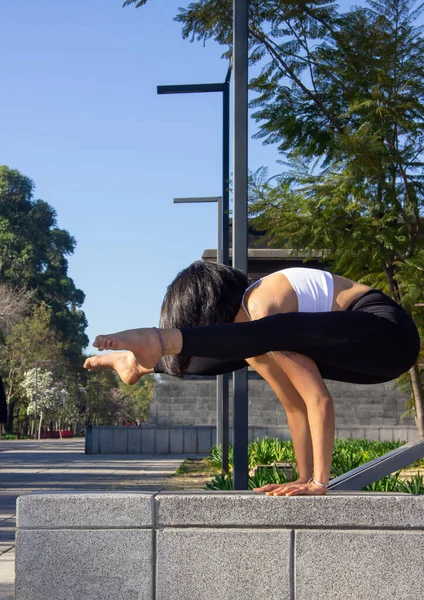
[(7, 556), (62, 465)]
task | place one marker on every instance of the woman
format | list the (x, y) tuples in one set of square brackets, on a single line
[(294, 327)]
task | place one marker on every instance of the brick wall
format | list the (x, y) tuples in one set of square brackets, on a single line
[(192, 401)]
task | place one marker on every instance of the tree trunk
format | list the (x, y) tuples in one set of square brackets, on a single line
[(39, 426), (417, 390), (10, 416), (3, 405)]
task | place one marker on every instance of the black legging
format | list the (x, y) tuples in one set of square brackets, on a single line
[(373, 341)]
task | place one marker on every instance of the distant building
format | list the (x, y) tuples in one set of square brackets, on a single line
[(263, 260)]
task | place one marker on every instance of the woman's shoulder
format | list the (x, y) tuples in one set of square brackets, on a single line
[(270, 295)]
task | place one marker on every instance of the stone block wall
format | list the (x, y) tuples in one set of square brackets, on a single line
[(192, 401), (219, 545)]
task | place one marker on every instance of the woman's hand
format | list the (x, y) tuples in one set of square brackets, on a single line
[(300, 487)]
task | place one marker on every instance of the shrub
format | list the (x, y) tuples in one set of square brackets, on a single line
[(347, 455)]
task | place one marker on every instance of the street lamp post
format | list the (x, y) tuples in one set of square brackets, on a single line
[(224, 88), (217, 199), (223, 229), (222, 420)]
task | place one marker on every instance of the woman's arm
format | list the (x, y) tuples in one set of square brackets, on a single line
[(306, 379), (296, 412)]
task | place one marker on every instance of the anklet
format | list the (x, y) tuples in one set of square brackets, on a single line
[(322, 485), (162, 345)]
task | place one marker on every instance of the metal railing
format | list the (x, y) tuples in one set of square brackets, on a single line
[(374, 470)]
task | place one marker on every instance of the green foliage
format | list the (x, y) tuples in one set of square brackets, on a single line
[(263, 451), (347, 455), (182, 469), (220, 482), (215, 456), (266, 451), (412, 486), (342, 94), (111, 402), (265, 476), (140, 395), (33, 255), (360, 204), (260, 452), (350, 454), (30, 340)]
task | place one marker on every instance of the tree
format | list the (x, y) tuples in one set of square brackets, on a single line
[(33, 253), (49, 398), (30, 340), (364, 207), (140, 396), (343, 97), (15, 304), (109, 401)]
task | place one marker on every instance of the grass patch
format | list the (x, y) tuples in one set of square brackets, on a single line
[(196, 467)]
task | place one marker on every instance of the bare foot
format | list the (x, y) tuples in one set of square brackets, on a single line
[(143, 343), (124, 363)]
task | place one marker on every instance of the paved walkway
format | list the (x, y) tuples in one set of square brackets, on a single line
[(61, 465)]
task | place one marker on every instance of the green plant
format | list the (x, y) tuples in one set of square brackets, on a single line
[(415, 485), (347, 455), (183, 468), (390, 483), (265, 476), (261, 452), (215, 457), (220, 482)]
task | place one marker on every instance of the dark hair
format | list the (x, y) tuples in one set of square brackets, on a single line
[(204, 293)]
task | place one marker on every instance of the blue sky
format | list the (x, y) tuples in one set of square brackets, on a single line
[(81, 117)]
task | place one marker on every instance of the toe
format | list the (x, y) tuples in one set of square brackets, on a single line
[(100, 342)]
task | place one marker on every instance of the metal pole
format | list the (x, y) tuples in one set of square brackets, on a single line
[(219, 249), (224, 400), (222, 380), (240, 140), (226, 170), (222, 436)]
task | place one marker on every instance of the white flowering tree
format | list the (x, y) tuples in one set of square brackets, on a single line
[(49, 399)]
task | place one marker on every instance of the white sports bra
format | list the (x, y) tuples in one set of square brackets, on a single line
[(314, 289)]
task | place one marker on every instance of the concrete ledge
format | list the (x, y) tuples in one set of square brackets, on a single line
[(55, 510), (219, 545), (244, 509)]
